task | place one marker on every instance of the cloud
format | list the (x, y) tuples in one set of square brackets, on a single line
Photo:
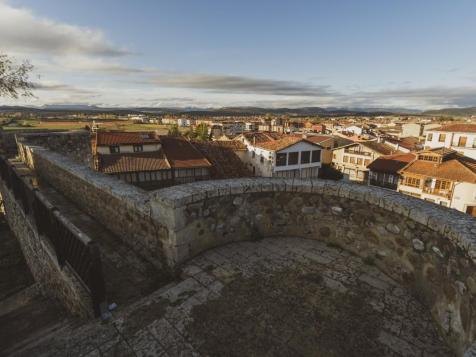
[(23, 31), (435, 96), (240, 84), (61, 87)]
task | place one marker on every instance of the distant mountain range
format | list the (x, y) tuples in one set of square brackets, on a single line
[(303, 111), (452, 111)]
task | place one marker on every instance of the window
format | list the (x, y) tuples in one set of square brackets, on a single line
[(114, 149), (293, 158), (352, 160), (316, 156), (411, 181), (359, 161), (346, 158), (428, 158), (442, 185), (442, 138), (429, 137), (305, 157), (253, 154), (138, 148), (474, 143), (462, 141), (334, 156), (281, 159), (443, 203), (367, 162)]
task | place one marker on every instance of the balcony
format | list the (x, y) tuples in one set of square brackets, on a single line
[(357, 152), (437, 192)]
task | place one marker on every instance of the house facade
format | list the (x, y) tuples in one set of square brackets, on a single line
[(289, 156), (352, 159), (459, 137), (442, 176)]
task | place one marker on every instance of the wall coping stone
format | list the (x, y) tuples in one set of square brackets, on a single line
[(458, 227)]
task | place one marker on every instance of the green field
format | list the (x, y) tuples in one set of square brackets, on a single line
[(31, 124)]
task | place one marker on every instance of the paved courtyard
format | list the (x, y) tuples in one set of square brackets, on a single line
[(272, 297)]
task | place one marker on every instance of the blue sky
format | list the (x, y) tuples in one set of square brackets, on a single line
[(418, 54)]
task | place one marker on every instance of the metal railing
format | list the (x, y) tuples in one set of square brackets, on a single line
[(72, 247)]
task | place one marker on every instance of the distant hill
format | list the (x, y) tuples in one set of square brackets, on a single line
[(225, 111), (452, 111)]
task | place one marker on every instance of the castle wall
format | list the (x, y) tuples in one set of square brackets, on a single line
[(59, 283), (120, 207)]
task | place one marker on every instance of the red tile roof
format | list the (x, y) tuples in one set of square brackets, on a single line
[(226, 164), (390, 164), (260, 136), (458, 128), (108, 138), (277, 145), (411, 143), (234, 145), (181, 153), (133, 162), (380, 148), (456, 167)]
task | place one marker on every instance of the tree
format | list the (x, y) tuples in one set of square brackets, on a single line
[(174, 130), (14, 78), (201, 132)]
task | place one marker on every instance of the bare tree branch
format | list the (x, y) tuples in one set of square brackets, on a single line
[(14, 78)]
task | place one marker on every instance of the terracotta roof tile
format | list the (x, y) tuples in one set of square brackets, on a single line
[(132, 162), (123, 137), (181, 153), (381, 148), (276, 145), (458, 128), (460, 168), (235, 145), (226, 164), (391, 163)]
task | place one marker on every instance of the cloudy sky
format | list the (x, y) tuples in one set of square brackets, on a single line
[(274, 53)]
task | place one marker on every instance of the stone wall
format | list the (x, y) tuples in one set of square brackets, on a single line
[(75, 144), (430, 249), (120, 207), (57, 282)]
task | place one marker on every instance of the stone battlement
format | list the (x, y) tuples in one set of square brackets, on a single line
[(429, 249)]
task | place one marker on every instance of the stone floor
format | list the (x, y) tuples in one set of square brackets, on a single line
[(273, 297)]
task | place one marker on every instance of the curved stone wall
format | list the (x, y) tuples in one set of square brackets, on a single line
[(430, 249)]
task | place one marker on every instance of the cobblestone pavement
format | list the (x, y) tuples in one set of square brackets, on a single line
[(273, 297)]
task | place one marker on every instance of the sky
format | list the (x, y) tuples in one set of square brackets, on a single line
[(417, 54)]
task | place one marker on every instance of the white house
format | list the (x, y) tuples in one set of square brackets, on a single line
[(355, 129), (183, 122), (288, 156), (459, 137)]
